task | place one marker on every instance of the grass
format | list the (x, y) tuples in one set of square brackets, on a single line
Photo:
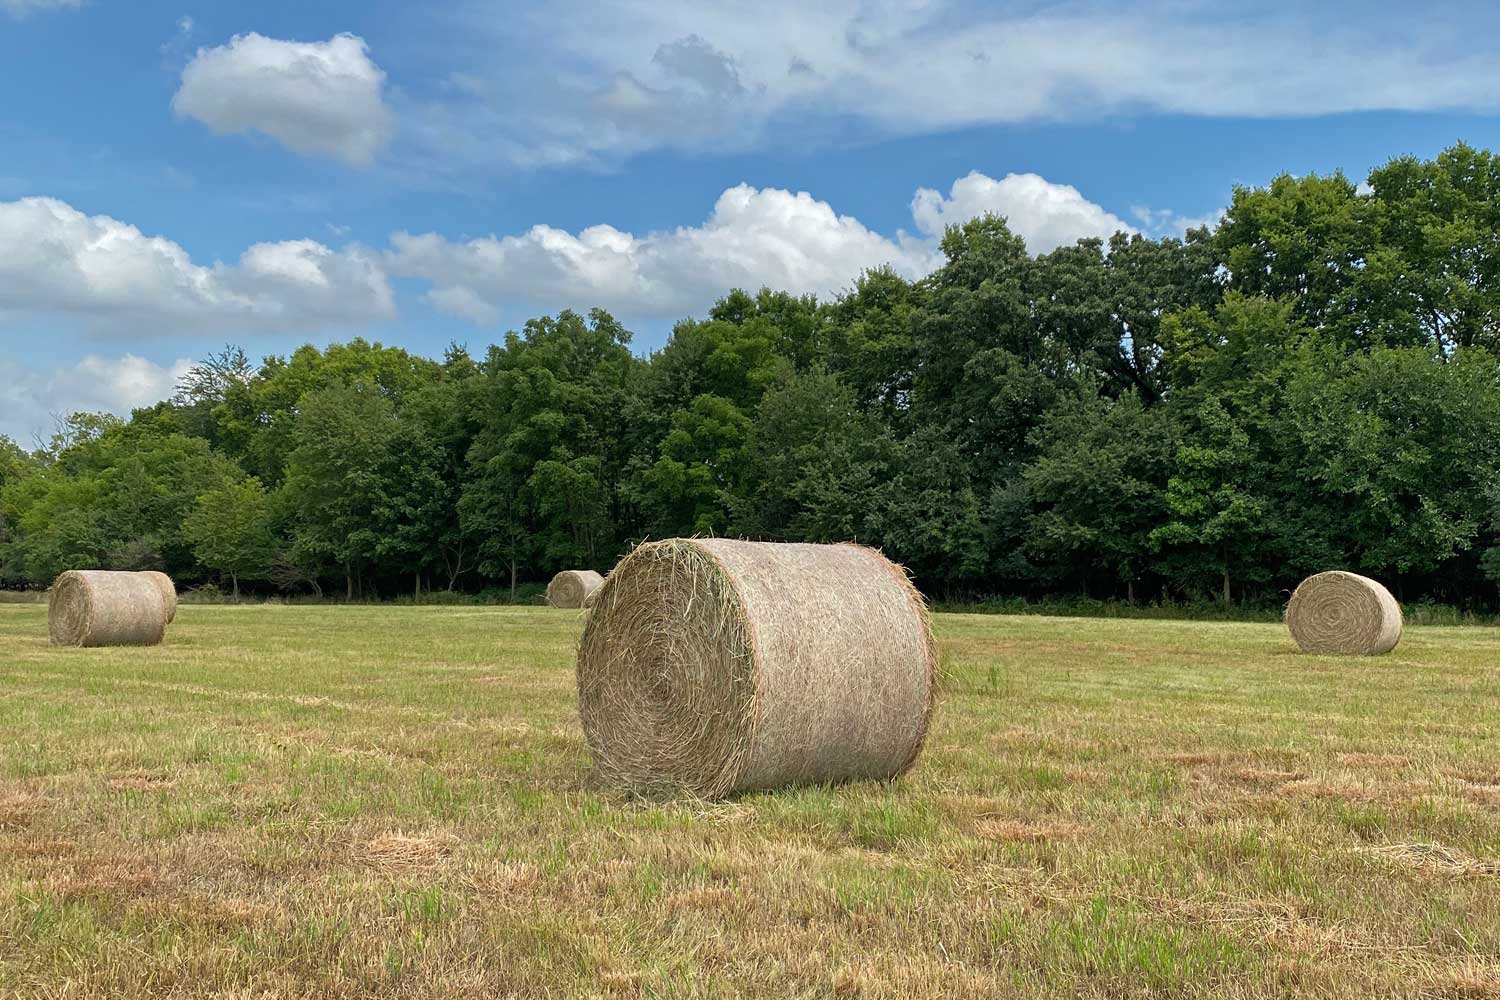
[(397, 802)]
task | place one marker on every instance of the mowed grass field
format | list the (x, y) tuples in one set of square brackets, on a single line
[(398, 802)]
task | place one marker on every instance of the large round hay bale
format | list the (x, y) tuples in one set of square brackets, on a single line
[(168, 591), (572, 587), (101, 608), (1345, 614), (710, 666)]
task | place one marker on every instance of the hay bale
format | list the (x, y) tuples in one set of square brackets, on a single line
[(102, 608), (168, 591), (571, 588), (1344, 614), (710, 666)]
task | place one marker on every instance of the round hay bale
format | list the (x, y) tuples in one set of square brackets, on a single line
[(168, 591), (710, 666), (571, 588), (101, 608), (1344, 614)]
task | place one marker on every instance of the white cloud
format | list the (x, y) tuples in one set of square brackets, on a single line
[(29, 400), (1158, 222), (20, 8), (607, 78), (317, 98), (753, 237), (60, 261), (1048, 215)]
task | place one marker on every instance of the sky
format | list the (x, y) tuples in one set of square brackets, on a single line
[(176, 176)]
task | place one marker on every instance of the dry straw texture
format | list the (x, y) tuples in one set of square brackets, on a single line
[(101, 608), (1343, 613), (710, 666), (168, 591), (572, 588)]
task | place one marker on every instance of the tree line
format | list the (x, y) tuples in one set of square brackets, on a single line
[(1311, 384)]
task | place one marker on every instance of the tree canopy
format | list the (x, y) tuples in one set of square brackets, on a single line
[(1310, 384)]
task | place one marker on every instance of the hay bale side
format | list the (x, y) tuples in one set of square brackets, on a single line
[(1344, 614), (168, 591), (102, 608), (713, 666), (572, 587)]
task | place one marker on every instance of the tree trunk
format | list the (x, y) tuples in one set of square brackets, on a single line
[(1226, 586), (417, 593), (1130, 592), (235, 578), (512, 581), (348, 584)]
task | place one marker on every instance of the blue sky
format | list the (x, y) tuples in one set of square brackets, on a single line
[(177, 175)]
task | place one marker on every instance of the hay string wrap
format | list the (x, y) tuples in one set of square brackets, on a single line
[(1343, 614), (572, 588), (103, 608), (712, 666)]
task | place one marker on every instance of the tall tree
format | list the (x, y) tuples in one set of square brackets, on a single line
[(230, 530), (332, 492)]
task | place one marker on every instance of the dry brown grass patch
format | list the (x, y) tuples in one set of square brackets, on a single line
[(1002, 828), (92, 879), (1481, 791), (505, 879), (18, 806), (400, 853), (141, 781), (1435, 859)]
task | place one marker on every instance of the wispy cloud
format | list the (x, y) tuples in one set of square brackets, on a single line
[(597, 80), (20, 8)]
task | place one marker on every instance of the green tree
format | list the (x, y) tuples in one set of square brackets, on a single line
[(230, 530), (1098, 488), (1432, 272), (696, 480), (332, 491), (814, 464), (1218, 512), (1398, 447), (549, 460)]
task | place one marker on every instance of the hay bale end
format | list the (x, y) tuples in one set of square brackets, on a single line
[(711, 666), (105, 608), (572, 588), (1343, 614)]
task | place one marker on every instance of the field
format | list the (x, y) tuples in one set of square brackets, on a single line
[(378, 801)]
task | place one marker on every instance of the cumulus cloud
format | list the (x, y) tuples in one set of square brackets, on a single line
[(317, 98), (20, 8), (1048, 215), (29, 400), (753, 237), (735, 73), (60, 261)]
